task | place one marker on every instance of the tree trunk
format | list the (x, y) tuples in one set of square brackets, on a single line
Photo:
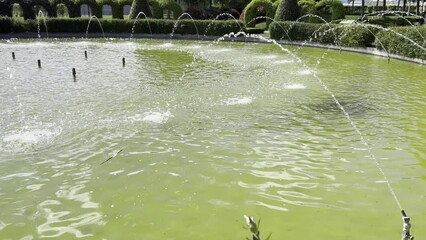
[(418, 7)]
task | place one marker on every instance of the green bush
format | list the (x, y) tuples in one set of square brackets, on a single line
[(250, 12), (342, 35), (392, 21), (139, 6), (357, 35), (275, 5), (306, 6), (395, 41), (330, 9), (299, 31), (73, 9), (288, 10), (157, 12), (170, 6), (5, 24)]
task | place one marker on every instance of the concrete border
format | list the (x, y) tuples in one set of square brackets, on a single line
[(369, 51)]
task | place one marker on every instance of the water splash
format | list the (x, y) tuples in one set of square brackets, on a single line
[(26, 140), (152, 116), (294, 86), (217, 17), (239, 101), (177, 22), (41, 15), (100, 25), (136, 19)]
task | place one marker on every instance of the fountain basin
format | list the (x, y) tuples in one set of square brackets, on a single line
[(197, 134)]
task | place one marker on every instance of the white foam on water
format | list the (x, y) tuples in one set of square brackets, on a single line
[(294, 86), (167, 45), (270, 56), (219, 50), (29, 139), (305, 72), (135, 172), (239, 101), (282, 62), (154, 117), (2, 225), (174, 174), (116, 172)]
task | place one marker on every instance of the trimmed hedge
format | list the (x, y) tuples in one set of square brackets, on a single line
[(332, 8), (395, 40), (158, 26), (157, 12), (356, 35), (170, 6), (139, 6), (288, 10), (392, 21), (250, 12)]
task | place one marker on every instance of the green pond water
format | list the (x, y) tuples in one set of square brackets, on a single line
[(190, 136)]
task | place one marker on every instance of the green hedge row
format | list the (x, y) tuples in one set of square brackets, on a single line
[(394, 40), (356, 10), (392, 21), (158, 26), (404, 41), (355, 35)]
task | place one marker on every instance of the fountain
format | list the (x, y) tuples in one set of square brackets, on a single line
[(189, 136)]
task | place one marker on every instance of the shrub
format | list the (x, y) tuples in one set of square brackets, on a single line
[(139, 6), (251, 11), (395, 40), (275, 5), (5, 24), (171, 7), (358, 35), (288, 10), (299, 31), (342, 35), (330, 9), (392, 21), (157, 12)]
